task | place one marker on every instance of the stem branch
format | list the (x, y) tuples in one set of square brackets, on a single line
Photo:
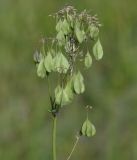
[(54, 137), (75, 144), (49, 89)]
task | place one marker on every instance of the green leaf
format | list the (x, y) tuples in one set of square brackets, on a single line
[(53, 53), (80, 34), (59, 26), (84, 128), (88, 129), (64, 64), (48, 62), (41, 72), (60, 37), (78, 83), (98, 50), (94, 31), (58, 94), (61, 97), (56, 62), (61, 63), (71, 21), (93, 129), (69, 91), (65, 27), (88, 60), (64, 96)]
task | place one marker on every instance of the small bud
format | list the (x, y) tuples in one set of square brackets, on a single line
[(37, 57)]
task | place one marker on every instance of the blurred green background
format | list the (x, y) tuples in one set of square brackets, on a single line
[(111, 84)]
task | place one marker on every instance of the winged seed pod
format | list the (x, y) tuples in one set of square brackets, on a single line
[(61, 96), (60, 37), (48, 62), (41, 72), (70, 20), (98, 50), (59, 26), (78, 82), (69, 90), (88, 129), (88, 60), (60, 63), (65, 27), (93, 31), (80, 34)]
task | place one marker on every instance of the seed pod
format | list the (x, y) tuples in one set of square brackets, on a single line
[(98, 50), (88, 60), (60, 37), (41, 72), (88, 129), (80, 34), (78, 83), (71, 21), (69, 90), (48, 62), (65, 27), (61, 64), (61, 97), (59, 25), (93, 31)]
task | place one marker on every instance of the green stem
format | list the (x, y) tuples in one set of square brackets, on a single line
[(75, 144), (54, 137), (49, 89)]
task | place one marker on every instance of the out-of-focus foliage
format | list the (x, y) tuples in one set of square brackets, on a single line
[(111, 85)]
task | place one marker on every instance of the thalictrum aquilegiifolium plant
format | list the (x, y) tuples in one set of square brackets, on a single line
[(75, 43)]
